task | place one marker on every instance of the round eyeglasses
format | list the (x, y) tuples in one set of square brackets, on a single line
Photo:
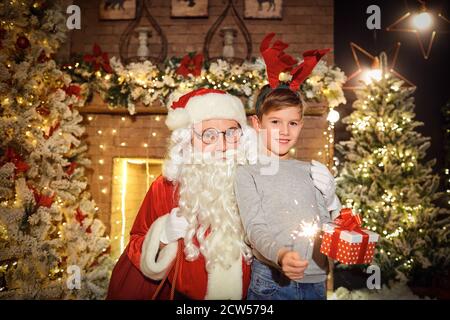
[(211, 135)]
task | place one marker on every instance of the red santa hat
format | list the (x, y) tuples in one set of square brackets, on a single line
[(205, 104)]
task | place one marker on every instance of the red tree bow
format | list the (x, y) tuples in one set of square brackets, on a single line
[(41, 199), (278, 61), (16, 159)]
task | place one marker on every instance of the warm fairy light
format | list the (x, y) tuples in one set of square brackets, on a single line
[(104, 190), (114, 131), (101, 161), (422, 20), (123, 144), (100, 177), (374, 74), (99, 131), (90, 118), (371, 75), (145, 145), (102, 146), (123, 118), (333, 116), (123, 200), (157, 118), (153, 134)]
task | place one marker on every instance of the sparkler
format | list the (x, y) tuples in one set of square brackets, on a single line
[(307, 230)]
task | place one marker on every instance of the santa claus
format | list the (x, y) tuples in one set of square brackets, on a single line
[(187, 240)]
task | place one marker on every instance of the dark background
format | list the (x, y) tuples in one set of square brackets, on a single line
[(430, 76)]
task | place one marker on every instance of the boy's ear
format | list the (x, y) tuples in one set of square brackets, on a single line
[(255, 122)]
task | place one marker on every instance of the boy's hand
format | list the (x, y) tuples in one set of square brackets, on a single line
[(291, 264)]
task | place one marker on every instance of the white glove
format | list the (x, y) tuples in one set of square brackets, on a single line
[(324, 181), (174, 228)]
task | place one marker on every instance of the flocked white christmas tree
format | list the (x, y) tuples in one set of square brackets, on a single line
[(384, 177), (49, 233)]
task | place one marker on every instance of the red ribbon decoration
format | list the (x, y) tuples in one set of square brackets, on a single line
[(347, 221)]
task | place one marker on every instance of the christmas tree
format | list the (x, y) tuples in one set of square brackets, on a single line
[(51, 244), (385, 179)]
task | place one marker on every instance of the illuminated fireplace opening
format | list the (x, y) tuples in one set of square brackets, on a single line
[(132, 179)]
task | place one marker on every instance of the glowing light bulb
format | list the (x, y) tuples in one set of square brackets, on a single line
[(333, 116), (422, 20)]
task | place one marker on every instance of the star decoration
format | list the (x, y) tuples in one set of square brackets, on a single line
[(429, 31), (374, 61)]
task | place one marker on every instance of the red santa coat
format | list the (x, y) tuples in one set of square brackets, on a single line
[(137, 272)]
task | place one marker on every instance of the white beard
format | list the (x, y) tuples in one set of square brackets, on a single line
[(207, 200)]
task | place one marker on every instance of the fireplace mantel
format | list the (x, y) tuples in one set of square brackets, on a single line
[(98, 106)]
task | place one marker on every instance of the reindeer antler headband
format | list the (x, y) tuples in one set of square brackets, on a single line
[(278, 62)]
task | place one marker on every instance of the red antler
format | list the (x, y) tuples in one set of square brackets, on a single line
[(276, 60), (304, 69)]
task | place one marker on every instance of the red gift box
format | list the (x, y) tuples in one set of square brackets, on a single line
[(345, 240)]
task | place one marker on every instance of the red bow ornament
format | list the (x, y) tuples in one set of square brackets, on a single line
[(191, 65), (98, 59)]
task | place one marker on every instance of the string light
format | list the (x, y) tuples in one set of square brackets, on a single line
[(123, 201)]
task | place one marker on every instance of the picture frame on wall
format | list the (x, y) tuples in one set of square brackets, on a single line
[(189, 8), (117, 9), (263, 9)]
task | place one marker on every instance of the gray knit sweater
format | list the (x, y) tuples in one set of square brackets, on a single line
[(272, 206)]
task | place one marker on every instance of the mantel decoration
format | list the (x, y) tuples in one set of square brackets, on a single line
[(123, 86), (137, 29)]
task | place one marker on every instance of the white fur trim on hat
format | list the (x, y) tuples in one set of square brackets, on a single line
[(206, 107)]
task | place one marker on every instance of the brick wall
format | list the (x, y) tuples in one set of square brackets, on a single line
[(306, 24)]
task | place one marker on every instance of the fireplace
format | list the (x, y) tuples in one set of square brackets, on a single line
[(132, 179)]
